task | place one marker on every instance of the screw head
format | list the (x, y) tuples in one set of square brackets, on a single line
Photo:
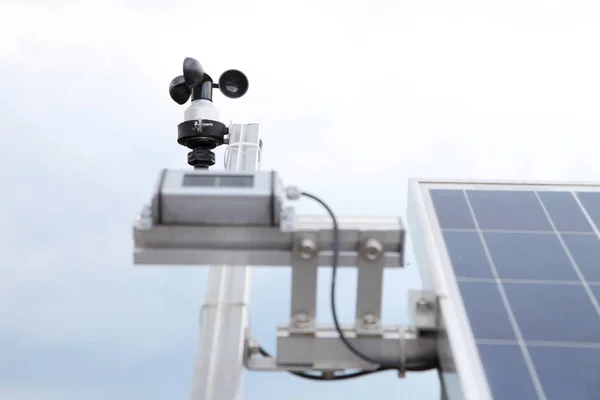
[(143, 219), (372, 249), (253, 347), (307, 248), (370, 319), (423, 304), (300, 319)]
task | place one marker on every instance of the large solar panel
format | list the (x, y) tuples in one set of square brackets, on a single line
[(525, 263)]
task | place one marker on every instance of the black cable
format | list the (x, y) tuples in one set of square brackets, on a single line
[(334, 267), (351, 375), (383, 364), (346, 376)]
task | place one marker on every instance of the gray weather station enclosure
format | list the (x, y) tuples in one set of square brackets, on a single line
[(516, 267)]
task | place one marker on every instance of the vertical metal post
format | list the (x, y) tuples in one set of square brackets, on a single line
[(219, 365)]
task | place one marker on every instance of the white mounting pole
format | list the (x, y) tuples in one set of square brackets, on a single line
[(219, 365)]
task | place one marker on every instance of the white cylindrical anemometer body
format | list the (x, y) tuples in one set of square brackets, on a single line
[(201, 109)]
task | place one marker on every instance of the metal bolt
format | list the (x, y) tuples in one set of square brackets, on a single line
[(373, 249), (143, 220), (300, 320), (307, 248), (253, 347), (423, 304), (370, 319)]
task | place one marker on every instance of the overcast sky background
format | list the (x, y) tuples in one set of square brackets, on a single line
[(353, 98)]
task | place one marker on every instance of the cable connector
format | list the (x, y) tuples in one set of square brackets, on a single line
[(293, 192)]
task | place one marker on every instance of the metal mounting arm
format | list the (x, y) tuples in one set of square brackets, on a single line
[(260, 245), (325, 352), (369, 244), (414, 346)]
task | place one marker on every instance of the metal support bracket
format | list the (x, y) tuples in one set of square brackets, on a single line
[(304, 243), (324, 351), (304, 283), (259, 245), (423, 310), (369, 284)]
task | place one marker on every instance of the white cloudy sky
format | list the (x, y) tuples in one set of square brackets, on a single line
[(353, 98)]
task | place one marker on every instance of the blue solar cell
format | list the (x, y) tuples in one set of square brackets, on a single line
[(507, 210), (591, 202), (486, 311), (467, 254), (568, 373), (585, 250), (565, 212), (540, 256), (507, 372), (554, 312), (452, 209)]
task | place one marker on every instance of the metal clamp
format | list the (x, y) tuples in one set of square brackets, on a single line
[(323, 351)]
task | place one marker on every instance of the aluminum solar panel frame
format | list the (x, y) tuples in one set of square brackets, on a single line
[(516, 266)]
